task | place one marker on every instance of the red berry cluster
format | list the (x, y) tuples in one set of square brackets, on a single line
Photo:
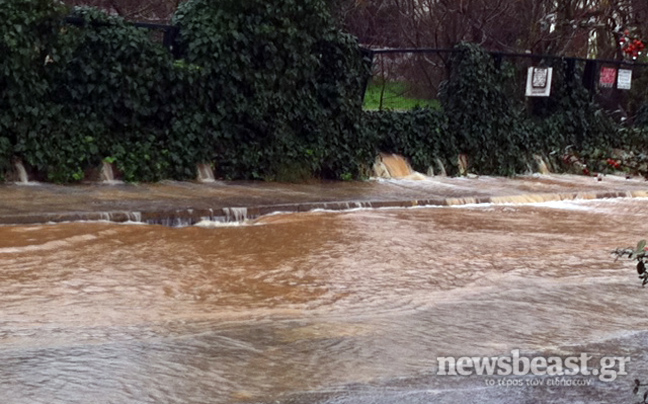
[(631, 46), (614, 163)]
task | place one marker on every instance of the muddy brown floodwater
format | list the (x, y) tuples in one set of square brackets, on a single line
[(320, 307)]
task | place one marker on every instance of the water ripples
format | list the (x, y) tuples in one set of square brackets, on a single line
[(315, 302)]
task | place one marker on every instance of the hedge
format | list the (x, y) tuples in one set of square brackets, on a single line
[(263, 90), (266, 90)]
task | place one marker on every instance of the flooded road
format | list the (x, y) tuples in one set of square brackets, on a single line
[(351, 307)]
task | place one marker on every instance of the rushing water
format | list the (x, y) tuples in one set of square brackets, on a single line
[(319, 307)]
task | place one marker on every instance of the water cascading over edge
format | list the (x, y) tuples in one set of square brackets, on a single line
[(395, 166), (205, 173), (21, 173)]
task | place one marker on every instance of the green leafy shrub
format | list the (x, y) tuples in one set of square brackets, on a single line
[(641, 119), (265, 90), (282, 86), (28, 29), (420, 135), (6, 150), (102, 89), (570, 117), (117, 79), (483, 122)]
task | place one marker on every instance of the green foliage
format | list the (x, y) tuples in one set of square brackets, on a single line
[(481, 119), (103, 89), (6, 151), (634, 139), (642, 116), (281, 86), (570, 118), (114, 77), (638, 96), (485, 117), (265, 90), (420, 135), (27, 32)]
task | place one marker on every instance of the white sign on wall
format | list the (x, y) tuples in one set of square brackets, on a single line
[(539, 81), (624, 82)]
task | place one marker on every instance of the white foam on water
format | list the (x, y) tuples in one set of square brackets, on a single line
[(214, 224), (563, 205), (128, 223), (586, 204), (572, 204), (113, 182)]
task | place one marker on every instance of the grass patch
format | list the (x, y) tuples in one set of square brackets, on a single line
[(396, 96)]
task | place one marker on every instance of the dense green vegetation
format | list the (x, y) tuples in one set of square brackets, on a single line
[(263, 90), (483, 118), (282, 88)]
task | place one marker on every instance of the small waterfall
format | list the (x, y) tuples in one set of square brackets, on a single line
[(462, 163), (135, 217), (542, 165), (21, 173), (461, 201), (442, 170), (205, 173), (235, 214), (380, 169), (395, 166), (107, 174)]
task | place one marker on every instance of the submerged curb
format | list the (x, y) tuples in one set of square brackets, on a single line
[(189, 217)]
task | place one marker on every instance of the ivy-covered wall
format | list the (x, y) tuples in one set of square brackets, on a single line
[(28, 31), (263, 90), (282, 87)]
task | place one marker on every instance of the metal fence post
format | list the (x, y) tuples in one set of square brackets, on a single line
[(589, 76)]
